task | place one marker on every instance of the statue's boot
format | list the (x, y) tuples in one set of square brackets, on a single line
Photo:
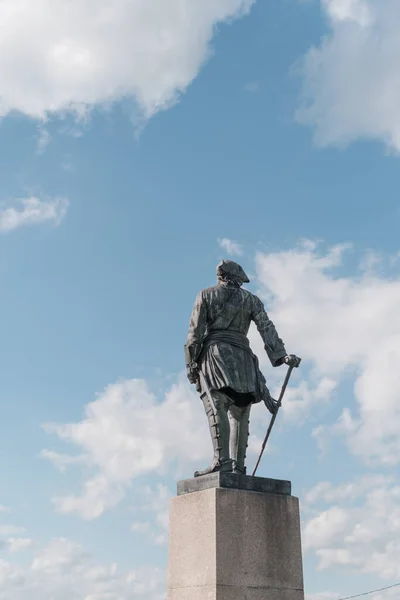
[(239, 425), (218, 423)]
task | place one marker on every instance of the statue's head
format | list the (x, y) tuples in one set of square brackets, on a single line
[(230, 271)]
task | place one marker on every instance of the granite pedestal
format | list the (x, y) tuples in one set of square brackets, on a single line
[(234, 537)]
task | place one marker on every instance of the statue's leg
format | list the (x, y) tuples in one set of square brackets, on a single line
[(239, 424), (218, 423)]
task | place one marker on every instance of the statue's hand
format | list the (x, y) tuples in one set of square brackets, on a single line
[(192, 373), (271, 404), (292, 360)]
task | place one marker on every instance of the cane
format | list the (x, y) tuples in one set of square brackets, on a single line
[(285, 383)]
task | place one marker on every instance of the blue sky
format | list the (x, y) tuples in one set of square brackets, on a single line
[(141, 142)]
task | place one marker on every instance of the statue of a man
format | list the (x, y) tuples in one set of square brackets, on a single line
[(223, 367)]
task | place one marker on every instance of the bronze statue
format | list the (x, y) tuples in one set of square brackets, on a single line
[(226, 372)]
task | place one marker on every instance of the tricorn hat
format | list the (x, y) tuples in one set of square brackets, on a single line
[(231, 269)]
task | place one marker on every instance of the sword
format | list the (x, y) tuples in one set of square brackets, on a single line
[(279, 403)]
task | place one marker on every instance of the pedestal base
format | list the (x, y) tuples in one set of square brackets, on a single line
[(235, 544)]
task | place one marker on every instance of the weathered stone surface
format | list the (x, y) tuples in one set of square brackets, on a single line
[(242, 593), (258, 541), (229, 593), (228, 544), (205, 592), (236, 482), (192, 549)]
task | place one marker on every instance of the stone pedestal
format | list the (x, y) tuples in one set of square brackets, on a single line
[(234, 537)]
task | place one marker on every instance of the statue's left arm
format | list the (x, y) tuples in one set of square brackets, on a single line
[(273, 344)]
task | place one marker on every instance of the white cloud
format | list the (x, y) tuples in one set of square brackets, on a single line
[(358, 11), (31, 211), (301, 399), (328, 493), (127, 432), (44, 139), (384, 593), (141, 527), (328, 527), (351, 82), (342, 325), (17, 544), (362, 532), (100, 492), (6, 530), (9, 542), (231, 247), (58, 56), (62, 570), (156, 502), (62, 461)]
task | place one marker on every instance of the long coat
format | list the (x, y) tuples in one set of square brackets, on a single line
[(232, 365)]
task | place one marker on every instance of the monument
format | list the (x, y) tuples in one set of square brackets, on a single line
[(233, 536)]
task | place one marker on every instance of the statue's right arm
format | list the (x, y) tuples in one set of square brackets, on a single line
[(197, 329)]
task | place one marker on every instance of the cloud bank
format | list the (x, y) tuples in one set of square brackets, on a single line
[(127, 432), (342, 325), (351, 81), (359, 528), (62, 570), (58, 56)]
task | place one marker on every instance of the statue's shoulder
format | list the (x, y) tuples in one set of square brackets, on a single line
[(253, 299), (249, 295), (211, 291)]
